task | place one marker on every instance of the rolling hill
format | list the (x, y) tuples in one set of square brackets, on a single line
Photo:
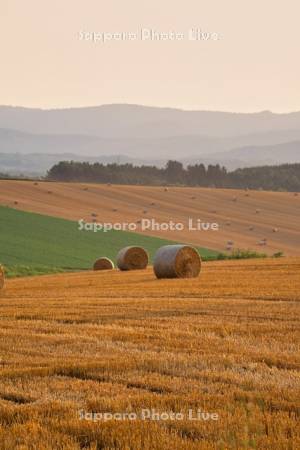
[(246, 218), (145, 135), (41, 243)]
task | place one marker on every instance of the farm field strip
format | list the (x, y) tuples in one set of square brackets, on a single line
[(276, 210)]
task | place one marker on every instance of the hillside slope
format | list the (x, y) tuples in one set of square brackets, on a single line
[(235, 211)]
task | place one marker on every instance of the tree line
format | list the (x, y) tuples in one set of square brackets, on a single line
[(285, 177)]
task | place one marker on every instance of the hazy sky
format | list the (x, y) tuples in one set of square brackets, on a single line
[(253, 65)]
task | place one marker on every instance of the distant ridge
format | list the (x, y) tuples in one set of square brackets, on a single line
[(148, 134)]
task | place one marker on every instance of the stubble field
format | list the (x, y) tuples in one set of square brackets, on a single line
[(246, 218), (225, 343)]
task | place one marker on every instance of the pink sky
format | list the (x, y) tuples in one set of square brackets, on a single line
[(254, 65)]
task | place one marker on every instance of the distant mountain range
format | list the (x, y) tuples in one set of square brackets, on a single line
[(34, 139)]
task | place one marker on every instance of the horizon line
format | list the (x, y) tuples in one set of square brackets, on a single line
[(64, 108)]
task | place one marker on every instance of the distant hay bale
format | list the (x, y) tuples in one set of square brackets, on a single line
[(115, 210), (262, 242), (177, 261), (251, 228), (103, 263), (132, 258), (36, 184), (2, 278), (257, 211), (234, 199), (296, 194), (166, 189), (94, 215), (193, 197), (50, 192), (152, 203), (145, 211), (16, 203), (228, 223), (230, 243), (275, 230)]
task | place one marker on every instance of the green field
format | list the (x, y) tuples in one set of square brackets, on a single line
[(36, 244)]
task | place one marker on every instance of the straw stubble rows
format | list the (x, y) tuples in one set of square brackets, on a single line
[(226, 342)]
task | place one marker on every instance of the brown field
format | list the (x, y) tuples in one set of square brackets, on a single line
[(227, 343), (129, 203)]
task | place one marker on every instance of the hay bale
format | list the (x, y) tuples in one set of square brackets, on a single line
[(132, 258), (275, 230), (262, 242), (103, 263), (2, 278), (177, 261)]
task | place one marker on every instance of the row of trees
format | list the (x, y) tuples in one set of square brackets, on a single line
[(284, 177)]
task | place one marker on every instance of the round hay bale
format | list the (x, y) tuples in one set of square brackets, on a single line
[(103, 263), (1, 277), (177, 261), (132, 258)]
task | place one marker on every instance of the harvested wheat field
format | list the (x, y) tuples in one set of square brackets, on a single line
[(263, 221), (226, 343)]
